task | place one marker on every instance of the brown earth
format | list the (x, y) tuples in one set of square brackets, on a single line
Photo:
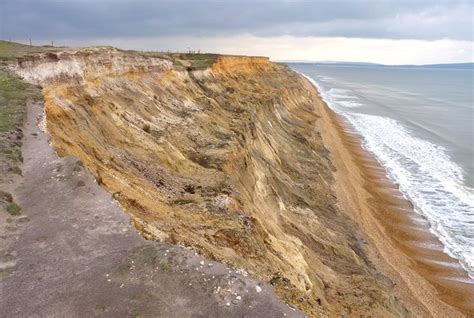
[(73, 253), (225, 155)]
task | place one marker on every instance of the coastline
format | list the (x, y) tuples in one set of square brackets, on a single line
[(428, 281)]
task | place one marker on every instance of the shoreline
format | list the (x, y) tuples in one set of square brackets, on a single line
[(401, 245)]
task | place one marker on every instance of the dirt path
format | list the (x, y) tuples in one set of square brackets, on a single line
[(74, 253)]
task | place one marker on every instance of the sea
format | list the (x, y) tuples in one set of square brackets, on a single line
[(419, 124)]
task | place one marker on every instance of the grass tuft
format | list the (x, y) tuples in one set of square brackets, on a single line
[(4, 273), (14, 209), (136, 314), (10, 50), (14, 95), (6, 197), (16, 170)]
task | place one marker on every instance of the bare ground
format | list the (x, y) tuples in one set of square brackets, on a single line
[(73, 253)]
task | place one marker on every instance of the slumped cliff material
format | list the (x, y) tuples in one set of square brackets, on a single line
[(226, 159)]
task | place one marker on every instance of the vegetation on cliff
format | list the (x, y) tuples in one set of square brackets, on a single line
[(13, 96), (220, 153)]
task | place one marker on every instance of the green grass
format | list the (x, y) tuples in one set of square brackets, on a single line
[(14, 95), (11, 87), (14, 209), (198, 60), (165, 267), (4, 273), (12, 153), (11, 50), (9, 117), (157, 133), (199, 56), (136, 314)]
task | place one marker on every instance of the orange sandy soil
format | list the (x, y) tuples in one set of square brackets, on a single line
[(226, 159), (428, 281), (226, 155)]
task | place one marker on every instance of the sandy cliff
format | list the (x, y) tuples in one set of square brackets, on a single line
[(225, 157)]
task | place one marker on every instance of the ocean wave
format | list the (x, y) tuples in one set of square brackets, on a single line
[(426, 176), (349, 104), (326, 79), (341, 93), (341, 97)]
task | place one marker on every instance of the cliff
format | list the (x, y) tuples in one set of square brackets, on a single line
[(220, 153)]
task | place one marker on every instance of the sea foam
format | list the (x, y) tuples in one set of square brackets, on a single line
[(424, 172)]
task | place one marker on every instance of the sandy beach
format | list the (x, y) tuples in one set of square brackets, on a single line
[(427, 280)]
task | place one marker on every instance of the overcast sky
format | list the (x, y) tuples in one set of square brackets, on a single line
[(391, 32)]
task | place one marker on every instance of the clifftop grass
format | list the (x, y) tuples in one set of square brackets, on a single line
[(14, 94), (9, 51), (198, 60)]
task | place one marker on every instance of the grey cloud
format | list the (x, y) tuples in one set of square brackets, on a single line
[(56, 19)]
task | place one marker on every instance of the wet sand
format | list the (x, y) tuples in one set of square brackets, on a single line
[(428, 281)]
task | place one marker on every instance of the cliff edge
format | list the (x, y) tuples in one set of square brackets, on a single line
[(221, 153)]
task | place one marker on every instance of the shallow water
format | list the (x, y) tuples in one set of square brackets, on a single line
[(419, 123)]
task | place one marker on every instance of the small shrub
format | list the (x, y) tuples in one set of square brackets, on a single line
[(136, 314), (146, 128), (16, 169), (157, 133), (165, 267), (4, 273), (14, 209), (6, 197)]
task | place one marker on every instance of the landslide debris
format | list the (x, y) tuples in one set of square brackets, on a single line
[(221, 153)]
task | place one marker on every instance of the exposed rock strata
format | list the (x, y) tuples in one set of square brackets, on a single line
[(227, 159)]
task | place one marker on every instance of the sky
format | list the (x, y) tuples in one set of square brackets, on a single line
[(388, 32)]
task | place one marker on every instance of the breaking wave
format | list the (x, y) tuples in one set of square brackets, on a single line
[(424, 172)]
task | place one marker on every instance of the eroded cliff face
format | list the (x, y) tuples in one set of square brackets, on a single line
[(226, 159)]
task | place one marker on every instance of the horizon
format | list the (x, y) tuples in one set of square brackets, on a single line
[(289, 61), (391, 33), (368, 64), (363, 63)]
